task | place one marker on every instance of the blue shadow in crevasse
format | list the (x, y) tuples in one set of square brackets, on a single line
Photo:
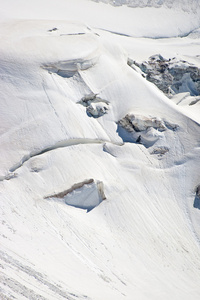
[(197, 202), (126, 136)]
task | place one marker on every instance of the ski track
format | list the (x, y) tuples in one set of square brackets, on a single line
[(32, 276), (82, 258)]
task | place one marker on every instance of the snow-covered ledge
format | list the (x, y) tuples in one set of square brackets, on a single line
[(86, 194)]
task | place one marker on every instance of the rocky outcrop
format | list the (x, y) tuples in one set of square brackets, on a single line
[(97, 109), (86, 194), (141, 123), (95, 106), (171, 76), (135, 122), (146, 130)]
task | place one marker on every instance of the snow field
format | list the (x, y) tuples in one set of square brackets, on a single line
[(142, 241)]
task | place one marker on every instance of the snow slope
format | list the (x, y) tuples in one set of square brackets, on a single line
[(171, 18), (80, 127)]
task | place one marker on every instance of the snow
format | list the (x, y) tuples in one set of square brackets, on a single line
[(175, 18), (66, 86), (86, 195)]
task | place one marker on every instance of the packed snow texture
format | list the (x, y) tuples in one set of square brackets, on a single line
[(79, 124)]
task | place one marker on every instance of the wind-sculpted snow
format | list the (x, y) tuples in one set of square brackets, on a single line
[(78, 125), (86, 195), (69, 68), (67, 143)]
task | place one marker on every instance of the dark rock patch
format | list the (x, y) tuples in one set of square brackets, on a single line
[(95, 106), (172, 76)]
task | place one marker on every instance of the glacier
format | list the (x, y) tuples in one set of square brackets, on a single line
[(99, 169)]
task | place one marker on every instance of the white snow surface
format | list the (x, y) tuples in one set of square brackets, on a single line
[(155, 18), (142, 241)]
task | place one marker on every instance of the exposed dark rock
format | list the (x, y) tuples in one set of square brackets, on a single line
[(53, 29), (171, 126), (134, 122), (97, 110), (139, 129), (146, 130), (195, 101), (171, 76), (95, 106), (91, 98)]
